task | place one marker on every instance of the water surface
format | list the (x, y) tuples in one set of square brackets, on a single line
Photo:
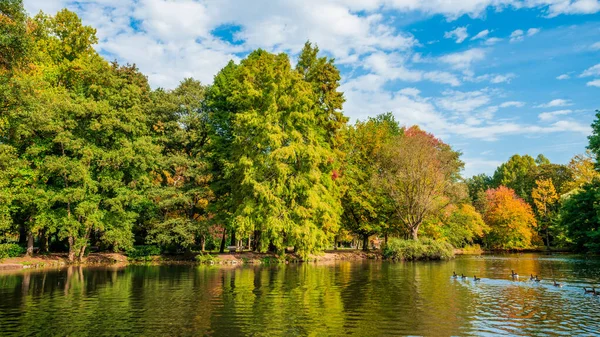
[(345, 298)]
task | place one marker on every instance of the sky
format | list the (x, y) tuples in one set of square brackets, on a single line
[(492, 78)]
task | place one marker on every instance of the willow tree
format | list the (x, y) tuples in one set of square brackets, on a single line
[(273, 165), (417, 171)]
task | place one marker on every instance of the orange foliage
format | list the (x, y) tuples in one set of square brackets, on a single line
[(511, 220)]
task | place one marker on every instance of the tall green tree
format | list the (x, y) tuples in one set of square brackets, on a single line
[(274, 174), (367, 208), (518, 173)]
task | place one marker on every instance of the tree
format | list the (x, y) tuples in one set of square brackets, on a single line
[(417, 171), (545, 199), (367, 208), (463, 225), (179, 122), (273, 166), (518, 173), (594, 138), (580, 217), (511, 220), (582, 170)]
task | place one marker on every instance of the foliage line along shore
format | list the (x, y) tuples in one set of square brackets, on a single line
[(93, 158)]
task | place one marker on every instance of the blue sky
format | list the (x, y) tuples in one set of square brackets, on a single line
[(490, 77)]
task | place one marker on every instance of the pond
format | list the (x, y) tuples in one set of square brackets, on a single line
[(367, 298)]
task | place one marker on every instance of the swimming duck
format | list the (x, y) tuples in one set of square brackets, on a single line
[(537, 279), (454, 275), (513, 274), (463, 276), (556, 284), (593, 290), (475, 278), (532, 278)]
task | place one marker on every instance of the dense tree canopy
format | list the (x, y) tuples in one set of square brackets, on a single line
[(92, 157)]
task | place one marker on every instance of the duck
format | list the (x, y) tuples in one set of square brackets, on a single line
[(537, 279), (587, 291), (513, 274), (463, 276), (475, 278), (556, 284), (454, 275), (532, 278)]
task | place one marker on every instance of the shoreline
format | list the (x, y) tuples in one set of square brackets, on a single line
[(58, 260)]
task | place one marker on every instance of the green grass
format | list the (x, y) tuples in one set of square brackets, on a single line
[(423, 249), (207, 258)]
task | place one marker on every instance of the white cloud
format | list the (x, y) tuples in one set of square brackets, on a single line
[(459, 34), (563, 77), (481, 35), (591, 71), (492, 41), (555, 103), (413, 92), (475, 166), (517, 35), (546, 116), (463, 102), (509, 104), (502, 78), (391, 67), (463, 60), (595, 46), (532, 31), (594, 83)]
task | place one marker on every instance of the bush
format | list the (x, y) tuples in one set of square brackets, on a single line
[(411, 250), (207, 258), (143, 253), (11, 250)]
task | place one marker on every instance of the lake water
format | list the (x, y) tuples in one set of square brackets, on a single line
[(366, 298)]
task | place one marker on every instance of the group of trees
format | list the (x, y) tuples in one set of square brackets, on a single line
[(90, 155), (542, 202)]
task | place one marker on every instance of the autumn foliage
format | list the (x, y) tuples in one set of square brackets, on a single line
[(511, 220)]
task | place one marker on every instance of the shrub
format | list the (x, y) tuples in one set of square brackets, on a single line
[(143, 253), (11, 250), (423, 249), (207, 258)]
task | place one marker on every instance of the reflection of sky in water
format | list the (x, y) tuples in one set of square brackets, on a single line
[(346, 298)]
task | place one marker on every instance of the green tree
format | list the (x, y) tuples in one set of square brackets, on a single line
[(545, 199), (579, 216), (367, 208), (274, 175), (518, 173), (179, 121)]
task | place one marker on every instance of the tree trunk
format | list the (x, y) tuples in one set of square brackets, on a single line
[(202, 242), (233, 241), (272, 248), (547, 238), (82, 253), (385, 239), (335, 242), (256, 242), (29, 244), (365, 243), (71, 249), (414, 232), (43, 241), (222, 248)]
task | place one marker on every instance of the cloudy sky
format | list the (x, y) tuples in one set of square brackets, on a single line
[(490, 77)]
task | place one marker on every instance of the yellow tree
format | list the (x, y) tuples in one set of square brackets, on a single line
[(545, 199), (582, 168)]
